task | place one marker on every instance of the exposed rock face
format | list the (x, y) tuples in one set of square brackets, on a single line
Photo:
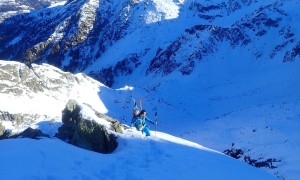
[(9, 8), (18, 118), (28, 133), (115, 125), (2, 130), (80, 34), (34, 96), (18, 79), (87, 133)]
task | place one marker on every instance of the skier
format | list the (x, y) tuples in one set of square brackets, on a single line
[(140, 123)]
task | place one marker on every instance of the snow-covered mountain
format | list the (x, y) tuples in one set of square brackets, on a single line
[(9, 8), (113, 40), (217, 72), (30, 94), (25, 90)]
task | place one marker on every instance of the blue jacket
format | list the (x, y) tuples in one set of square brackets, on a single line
[(140, 122)]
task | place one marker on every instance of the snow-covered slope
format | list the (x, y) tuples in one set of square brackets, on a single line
[(217, 72), (9, 8), (27, 91), (114, 41), (161, 157), (253, 105), (42, 92)]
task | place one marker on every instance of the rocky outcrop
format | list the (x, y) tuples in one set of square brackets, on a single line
[(9, 8), (18, 80), (27, 133), (30, 92), (88, 133), (75, 36), (238, 153), (18, 118), (2, 130), (168, 60)]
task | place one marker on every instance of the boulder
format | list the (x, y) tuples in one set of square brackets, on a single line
[(31, 133), (86, 133)]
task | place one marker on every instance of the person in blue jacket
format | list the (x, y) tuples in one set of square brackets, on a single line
[(140, 123)]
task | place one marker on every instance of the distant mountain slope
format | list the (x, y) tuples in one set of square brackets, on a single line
[(9, 8), (211, 69), (112, 40)]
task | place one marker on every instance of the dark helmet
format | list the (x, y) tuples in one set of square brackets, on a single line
[(142, 111)]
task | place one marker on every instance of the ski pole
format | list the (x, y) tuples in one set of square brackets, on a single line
[(156, 122)]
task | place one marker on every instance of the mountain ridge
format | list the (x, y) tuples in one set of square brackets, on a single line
[(63, 39), (198, 65)]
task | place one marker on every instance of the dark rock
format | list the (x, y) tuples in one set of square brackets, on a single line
[(31, 133), (260, 162), (165, 63), (269, 163), (84, 133), (170, 59), (291, 55), (235, 153), (28, 133), (2, 130), (5, 135)]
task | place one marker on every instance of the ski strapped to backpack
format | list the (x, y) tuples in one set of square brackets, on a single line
[(134, 102), (141, 103), (136, 109)]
